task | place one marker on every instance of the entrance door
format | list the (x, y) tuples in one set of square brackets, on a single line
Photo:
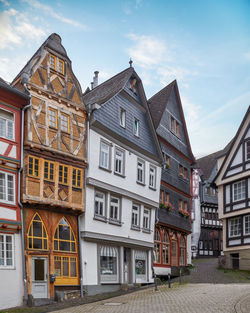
[(126, 265), (39, 277)]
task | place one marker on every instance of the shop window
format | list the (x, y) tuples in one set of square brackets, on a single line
[(7, 188), (157, 247), (52, 118), (64, 239), (49, 171), (65, 123), (37, 237), (182, 255), (7, 125), (165, 248), (140, 263), (34, 167), (6, 251), (77, 177), (63, 174), (108, 264)]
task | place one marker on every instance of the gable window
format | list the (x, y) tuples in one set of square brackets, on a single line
[(136, 127), (6, 124), (52, 61), (239, 191), (49, 171), (63, 174), (140, 171), (65, 122), (122, 117), (135, 216), (114, 208), (60, 66), (56, 64), (34, 167), (77, 177), (52, 118), (7, 188), (247, 225), (6, 251), (146, 219), (99, 203), (105, 155), (207, 191), (64, 239), (234, 227), (174, 126), (37, 235), (132, 85), (152, 176), (119, 161)]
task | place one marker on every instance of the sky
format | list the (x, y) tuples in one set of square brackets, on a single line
[(204, 45)]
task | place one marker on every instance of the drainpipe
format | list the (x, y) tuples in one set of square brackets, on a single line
[(24, 79)]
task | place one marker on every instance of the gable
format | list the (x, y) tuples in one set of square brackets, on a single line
[(132, 88)]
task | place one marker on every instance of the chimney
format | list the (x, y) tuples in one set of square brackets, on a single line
[(92, 84), (95, 79)]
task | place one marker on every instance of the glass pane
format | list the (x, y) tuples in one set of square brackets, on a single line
[(37, 229), (73, 247), (37, 243), (64, 232), (57, 263), (30, 243), (64, 245), (140, 267), (45, 244), (73, 267), (39, 269), (65, 266), (55, 245), (2, 187)]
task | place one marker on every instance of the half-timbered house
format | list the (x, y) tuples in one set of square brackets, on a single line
[(53, 174), (173, 224), (233, 182), (12, 103)]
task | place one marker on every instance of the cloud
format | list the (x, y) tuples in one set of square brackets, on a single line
[(16, 29), (148, 51), (50, 11), (11, 66), (5, 2), (130, 6), (169, 73), (191, 112)]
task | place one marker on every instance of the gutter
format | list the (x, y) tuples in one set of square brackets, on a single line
[(19, 195)]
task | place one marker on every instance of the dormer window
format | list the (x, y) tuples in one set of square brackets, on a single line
[(136, 127), (56, 64), (122, 117), (132, 85)]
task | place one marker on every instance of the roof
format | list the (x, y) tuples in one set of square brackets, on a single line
[(6, 86), (207, 163), (158, 103), (108, 88)]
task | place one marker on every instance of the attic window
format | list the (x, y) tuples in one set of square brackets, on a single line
[(175, 127), (132, 85), (56, 64)]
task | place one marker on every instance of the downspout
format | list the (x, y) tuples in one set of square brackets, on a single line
[(19, 194)]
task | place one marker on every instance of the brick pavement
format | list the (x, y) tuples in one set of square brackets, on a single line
[(187, 298)]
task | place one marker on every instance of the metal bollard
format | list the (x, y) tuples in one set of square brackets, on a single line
[(169, 281), (180, 277)]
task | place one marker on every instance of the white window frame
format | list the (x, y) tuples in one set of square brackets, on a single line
[(122, 117), (6, 188), (230, 227), (103, 201), (243, 196), (135, 212), (244, 224), (5, 266), (142, 168), (136, 130), (146, 216), (6, 125), (152, 177), (121, 159), (116, 206), (108, 152)]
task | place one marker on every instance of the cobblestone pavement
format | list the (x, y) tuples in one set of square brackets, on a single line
[(187, 298)]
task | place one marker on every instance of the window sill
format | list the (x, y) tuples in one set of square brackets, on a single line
[(146, 230), (100, 218), (118, 174), (52, 127), (115, 222), (152, 188), (140, 183), (105, 169), (134, 227), (12, 204), (109, 282), (65, 132)]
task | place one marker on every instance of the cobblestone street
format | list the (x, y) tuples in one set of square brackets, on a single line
[(188, 298)]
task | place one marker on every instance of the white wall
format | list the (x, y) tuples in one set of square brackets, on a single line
[(89, 263), (11, 280)]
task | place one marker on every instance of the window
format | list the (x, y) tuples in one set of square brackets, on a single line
[(239, 191), (34, 167), (234, 227), (77, 177), (60, 66), (157, 247), (146, 219), (119, 161), (165, 248), (180, 204), (140, 171), (7, 187), (108, 264), (136, 127), (136, 216), (167, 198), (166, 160), (132, 85), (65, 122), (52, 118), (114, 208), (140, 263), (185, 206), (6, 251), (162, 196), (182, 255), (174, 126), (99, 203), (248, 150), (65, 266), (247, 225), (56, 64), (37, 236), (152, 176), (122, 117), (6, 124), (207, 191), (104, 155), (52, 61), (49, 171), (183, 172), (63, 174), (64, 239)]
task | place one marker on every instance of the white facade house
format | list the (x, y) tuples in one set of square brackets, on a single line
[(122, 193)]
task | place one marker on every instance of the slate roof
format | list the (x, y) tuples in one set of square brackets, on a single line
[(207, 163), (6, 86), (108, 89), (158, 102)]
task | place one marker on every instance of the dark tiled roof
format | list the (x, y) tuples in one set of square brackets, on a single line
[(109, 88), (157, 103), (207, 163), (6, 86)]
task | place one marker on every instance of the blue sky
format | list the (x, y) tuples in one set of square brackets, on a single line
[(204, 45)]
